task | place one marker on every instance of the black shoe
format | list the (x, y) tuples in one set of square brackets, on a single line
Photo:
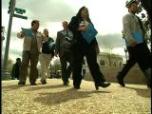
[(76, 87), (102, 84), (120, 81), (66, 83), (21, 83), (149, 85), (43, 82), (33, 83)]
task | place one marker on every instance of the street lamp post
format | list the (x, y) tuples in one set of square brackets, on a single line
[(11, 11), (12, 14)]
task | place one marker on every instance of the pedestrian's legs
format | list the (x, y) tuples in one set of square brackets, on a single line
[(45, 62), (64, 70), (142, 55), (96, 73), (94, 69), (43, 66), (130, 63), (69, 70), (147, 73), (121, 75), (24, 67), (33, 68), (48, 60), (76, 69)]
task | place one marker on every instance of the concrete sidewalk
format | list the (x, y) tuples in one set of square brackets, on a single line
[(53, 98)]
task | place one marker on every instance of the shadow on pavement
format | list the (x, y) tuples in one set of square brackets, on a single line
[(64, 96), (34, 88), (141, 92), (12, 87)]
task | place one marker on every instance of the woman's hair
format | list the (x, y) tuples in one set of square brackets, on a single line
[(79, 13)]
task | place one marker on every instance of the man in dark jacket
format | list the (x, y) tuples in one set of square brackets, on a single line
[(16, 69), (63, 49)]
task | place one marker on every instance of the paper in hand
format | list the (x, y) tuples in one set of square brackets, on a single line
[(27, 32)]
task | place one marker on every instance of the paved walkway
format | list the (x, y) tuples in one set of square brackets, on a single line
[(53, 98)]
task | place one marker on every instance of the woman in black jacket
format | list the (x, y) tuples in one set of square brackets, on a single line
[(84, 45)]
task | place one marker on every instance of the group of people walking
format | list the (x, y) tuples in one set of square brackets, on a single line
[(76, 41)]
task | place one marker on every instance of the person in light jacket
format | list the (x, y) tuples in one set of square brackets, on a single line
[(31, 49), (134, 35)]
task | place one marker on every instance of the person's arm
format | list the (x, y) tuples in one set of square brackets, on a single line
[(52, 39), (57, 44), (127, 30), (74, 24)]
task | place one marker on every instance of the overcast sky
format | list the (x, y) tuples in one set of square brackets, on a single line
[(106, 16)]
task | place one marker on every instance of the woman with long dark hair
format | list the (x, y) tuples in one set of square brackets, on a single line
[(85, 44)]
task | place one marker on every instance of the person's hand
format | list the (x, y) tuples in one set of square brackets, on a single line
[(43, 35), (133, 43), (82, 28), (20, 34)]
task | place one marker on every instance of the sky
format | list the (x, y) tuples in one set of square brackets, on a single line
[(106, 16)]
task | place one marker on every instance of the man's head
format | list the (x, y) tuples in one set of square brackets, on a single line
[(18, 60), (65, 25), (46, 32), (132, 6), (35, 25)]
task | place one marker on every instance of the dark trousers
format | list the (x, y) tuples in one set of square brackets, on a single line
[(15, 71), (66, 69), (91, 57), (130, 63), (33, 59), (139, 54)]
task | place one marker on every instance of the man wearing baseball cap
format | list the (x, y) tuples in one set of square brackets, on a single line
[(134, 35)]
